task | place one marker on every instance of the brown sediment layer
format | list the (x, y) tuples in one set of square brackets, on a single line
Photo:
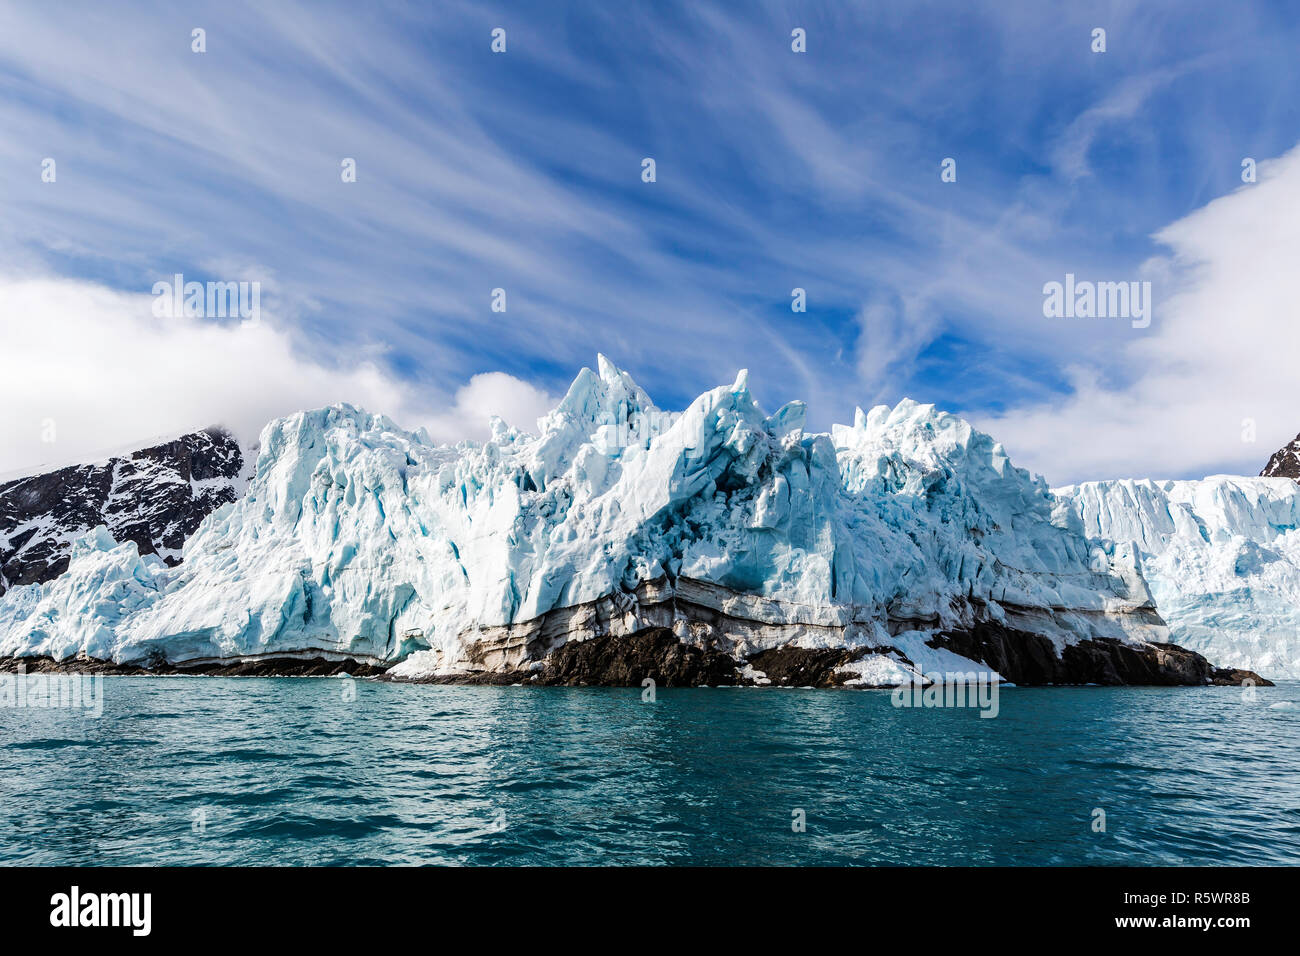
[(741, 625), (1032, 659), (1019, 656), (657, 654)]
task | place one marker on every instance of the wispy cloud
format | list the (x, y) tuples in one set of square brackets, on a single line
[(521, 171)]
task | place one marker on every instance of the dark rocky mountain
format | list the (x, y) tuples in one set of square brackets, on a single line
[(1285, 462), (155, 497)]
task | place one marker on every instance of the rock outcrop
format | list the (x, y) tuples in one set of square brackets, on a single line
[(155, 497), (1285, 462)]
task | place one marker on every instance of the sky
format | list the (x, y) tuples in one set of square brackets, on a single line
[(522, 170)]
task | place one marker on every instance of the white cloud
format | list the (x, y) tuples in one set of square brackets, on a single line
[(1223, 347), (491, 394), (93, 367), (1070, 157), (892, 334)]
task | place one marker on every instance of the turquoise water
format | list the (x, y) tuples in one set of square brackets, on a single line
[(287, 771)]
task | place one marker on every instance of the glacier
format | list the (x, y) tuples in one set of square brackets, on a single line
[(1221, 556), (734, 528)]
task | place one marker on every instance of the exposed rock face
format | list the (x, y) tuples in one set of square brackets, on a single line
[(1029, 659), (657, 654), (626, 661), (791, 666), (1022, 658), (155, 497), (266, 667), (1285, 462)]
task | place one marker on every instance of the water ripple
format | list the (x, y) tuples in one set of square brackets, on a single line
[(266, 771)]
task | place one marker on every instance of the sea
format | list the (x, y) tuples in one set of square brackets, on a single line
[(337, 771)]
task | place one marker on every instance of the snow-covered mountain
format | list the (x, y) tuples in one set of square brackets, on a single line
[(154, 497), (887, 547), (1221, 556)]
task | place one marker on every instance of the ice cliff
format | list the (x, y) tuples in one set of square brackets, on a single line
[(733, 528), (1220, 555)]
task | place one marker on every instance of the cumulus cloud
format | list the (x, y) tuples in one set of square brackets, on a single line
[(1217, 368), (486, 395), (87, 371)]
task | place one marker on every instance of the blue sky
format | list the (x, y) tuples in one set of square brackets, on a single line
[(775, 170)]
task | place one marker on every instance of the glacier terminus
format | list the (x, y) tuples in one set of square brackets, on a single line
[(718, 544)]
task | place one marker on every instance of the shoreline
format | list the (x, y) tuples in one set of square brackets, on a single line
[(1020, 658), (276, 666)]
